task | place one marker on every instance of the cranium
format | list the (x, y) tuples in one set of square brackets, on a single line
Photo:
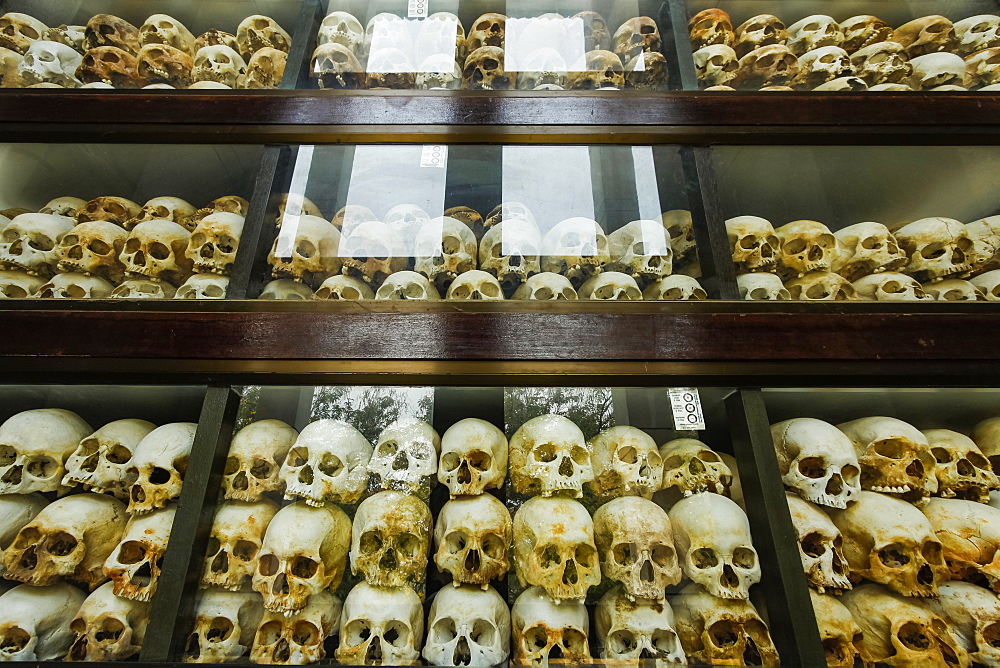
[(626, 463), (642, 250), (213, 37), (773, 65), (467, 626), (543, 66), (962, 471), (63, 206), (134, 565), (821, 286), (977, 33), (715, 65), (596, 70), (35, 622), (18, 31), (203, 286), (972, 614), (30, 242), (712, 538), (753, 243), (473, 457), (821, 546), (728, 631), (443, 249), (506, 211), (9, 62), (381, 626), (50, 62), (344, 29), (304, 553), (548, 455), (895, 458), (159, 208), (843, 641), (220, 64), (390, 67), (143, 288), (117, 210), (968, 532), (863, 31), (596, 33), (386, 30), (611, 286), (637, 629), (75, 286), (350, 216), (953, 290), (866, 248), (371, 251), (16, 510), (405, 457), (255, 457), (890, 286), (93, 248), (226, 204), (477, 286), (985, 235), (647, 71), (933, 70), (100, 462), (805, 246), (294, 205), (439, 72), (156, 471), (554, 548), (711, 27), (70, 35), (19, 284), (762, 287), (162, 63), (111, 65), (107, 30), (484, 70), (469, 216), (108, 628), (214, 243), (928, 34), (327, 463), (306, 250), (881, 63), (937, 248), (576, 248), (297, 639), (814, 32), (471, 540), (235, 542), (988, 284), (636, 547), (759, 31), (407, 285), (488, 30), (155, 249), (224, 627), (34, 444), (981, 68), (510, 251), (544, 631), (822, 65), (546, 286), (258, 32), (692, 467), (163, 29), (390, 539), (636, 36), (285, 288)]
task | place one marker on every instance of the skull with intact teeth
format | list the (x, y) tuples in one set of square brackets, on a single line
[(805, 246), (488, 30), (711, 27), (863, 31), (895, 458), (882, 63), (344, 29), (597, 70), (485, 70), (554, 548), (101, 461), (327, 464), (235, 542), (576, 248), (471, 540), (163, 29), (93, 248), (822, 65), (473, 457), (50, 62), (372, 251), (642, 250), (962, 471), (162, 63), (757, 32), (220, 64), (636, 547), (110, 65), (297, 639), (636, 36), (977, 33), (30, 242), (135, 564), (18, 31), (390, 539), (753, 243), (821, 546), (814, 32), (257, 32)]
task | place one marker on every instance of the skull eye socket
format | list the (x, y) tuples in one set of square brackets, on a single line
[(579, 455), (812, 467), (14, 639), (396, 634), (491, 64), (893, 556), (9, 236), (624, 554), (456, 541), (890, 448), (483, 632), (132, 245), (267, 565), (119, 454), (131, 552), (978, 460), (627, 454), (41, 242), (704, 557), (305, 249), (574, 640), (408, 545), (546, 452), (331, 465), (444, 631), (371, 542), (622, 641), (244, 550), (232, 466), (159, 251), (933, 251), (912, 636), (357, 632), (27, 537), (304, 567), (708, 456), (450, 461), (535, 638), (812, 544), (794, 246), (298, 457), (744, 557), (664, 555), (493, 546), (99, 247), (213, 546), (724, 634), (941, 455), (43, 467), (931, 551), (549, 556)]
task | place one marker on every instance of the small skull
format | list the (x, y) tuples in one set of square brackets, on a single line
[(18, 31), (636, 547), (390, 540), (134, 565), (471, 540), (821, 546), (473, 458)]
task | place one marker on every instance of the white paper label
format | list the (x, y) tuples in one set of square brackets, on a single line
[(686, 405), (417, 9), (434, 156)]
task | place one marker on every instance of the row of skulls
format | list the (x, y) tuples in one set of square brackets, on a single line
[(111, 247), (110, 52), (861, 53), (436, 53), (928, 259), (916, 584), (461, 255)]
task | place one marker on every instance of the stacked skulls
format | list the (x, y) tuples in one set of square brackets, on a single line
[(278, 586), (861, 53), (89, 560), (462, 256), (110, 52), (898, 524), (110, 247), (436, 53), (931, 259)]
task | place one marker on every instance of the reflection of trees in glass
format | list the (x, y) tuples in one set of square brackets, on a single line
[(590, 408), (371, 409), (247, 412)]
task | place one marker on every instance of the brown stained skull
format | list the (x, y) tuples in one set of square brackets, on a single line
[(18, 31), (227, 204), (596, 33), (710, 27), (647, 71), (116, 210), (335, 67), (258, 32), (772, 65), (161, 63), (109, 30), (93, 248), (759, 31), (863, 31), (266, 68), (600, 69), (488, 30), (636, 36), (928, 34), (215, 37), (110, 65), (484, 70)]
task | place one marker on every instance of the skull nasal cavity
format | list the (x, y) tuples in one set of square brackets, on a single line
[(472, 561), (566, 467), (570, 574)]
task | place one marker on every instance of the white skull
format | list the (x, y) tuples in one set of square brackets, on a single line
[(34, 445), (818, 461), (255, 458), (75, 286), (16, 510), (224, 627), (387, 30), (381, 626), (753, 243), (508, 210), (554, 548), (214, 242), (937, 69), (577, 248), (93, 248), (156, 472), (626, 463), (50, 62), (866, 248), (863, 31), (297, 639), (973, 617), (848, 83), (373, 250), (692, 467), (440, 34), (29, 242), (443, 249), (304, 552), (882, 63), (155, 249), (549, 455), (712, 538), (476, 285), (890, 286), (637, 629), (220, 64), (889, 541), (327, 463), (471, 540), (636, 547), (344, 29), (19, 285), (544, 631), (675, 288), (962, 471), (970, 534), (843, 641), (902, 632), (257, 32), (762, 287), (63, 206), (726, 632), (509, 250), (100, 462), (344, 288), (821, 546), (117, 210), (307, 249), (439, 72), (108, 628), (988, 284), (35, 621), (546, 286), (715, 65), (163, 29), (18, 31), (986, 435), (642, 250), (134, 565), (977, 33), (985, 235), (805, 246), (286, 288), (405, 457), (143, 288), (203, 286), (294, 205), (895, 458), (821, 286), (467, 626), (542, 66), (611, 286), (814, 32), (473, 457), (390, 539), (407, 285), (235, 542)]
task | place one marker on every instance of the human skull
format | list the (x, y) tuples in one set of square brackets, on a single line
[(772, 65), (443, 249), (100, 462), (30, 242), (108, 628), (471, 540), (954, 290), (546, 286), (18, 31), (577, 248), (381, 626), (257, 32), (488, 30), (19, 284), (226, 204), (372, 251), (156, 471), (473, 457), (297, 639), (814, 32), (254, 461), (344, 29), (107, 30), (822, 65), (510, 251), (543, 66), (973, 617), (805, 246), (327, 464), (164, 29), (863, 31), (469, 216), (50, 62), (933, 70), (485, 70), (477, 286), (220, 64), (901, 632), (203, 286), (335, 67), (641, 249), (34, 444), (285, 288), (549, 455), (928, 34), (110, 65), (16, 510), (626, 462), (635, 36), (439, 72), (636, 547), (596, 70), (224, 627), (35, 622), (164, 64), (712, 538), (407, 285), (9, 62), (138, 288), (70, 35), (506, 211), (753, 243), (544, 631), (962, 471), (762, 287), (821, 286), (982, 68), (405, 457), (93, 248), (821, 546), (843, 641), (63, 206), (866, 248), (213, 37), (467, 626), (757, 32), (390, 67), (306, 250), (611, 286), (985, 235), (214, 243), (988, 284), (294, 205), (344, 288), (728, 631), (890, 286), (937, 248), (969, 533), (895, 458), (304, 552), (977, 33), (554, 548), (390, 540), (155, 249), (692, 467), (881, 63), (135, 563), (235, 541), (711, 27), (596, 33), (637, 629), (117, 210), (75, 286), (715, 65)]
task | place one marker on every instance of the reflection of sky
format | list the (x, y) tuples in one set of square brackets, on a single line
[(525, 36), (554, 182), (384, 176), (417, 39)]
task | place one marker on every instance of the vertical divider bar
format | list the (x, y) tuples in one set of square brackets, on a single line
[(789, 608), (682, 44), (243, 281), (303, 38), (172, 610), (718, 274)]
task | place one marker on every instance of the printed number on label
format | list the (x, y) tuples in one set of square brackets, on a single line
[(686, 406)]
